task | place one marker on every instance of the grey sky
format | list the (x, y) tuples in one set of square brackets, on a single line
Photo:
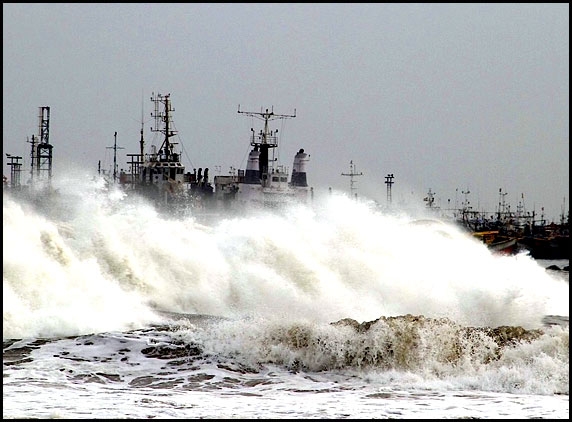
[(447, 97)]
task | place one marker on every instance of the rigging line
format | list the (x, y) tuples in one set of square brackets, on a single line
[(187, 155), (247, 146), (281, 135), (183, 145), (107, 162), (154, 140), (244, 156)]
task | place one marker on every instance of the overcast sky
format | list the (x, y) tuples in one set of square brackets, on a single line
[(447, 97)]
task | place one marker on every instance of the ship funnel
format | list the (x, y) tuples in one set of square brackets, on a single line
[(252, 175), (299, 169)]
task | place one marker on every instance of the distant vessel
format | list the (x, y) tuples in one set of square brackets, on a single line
[(510, 232), (550, 241), (497, 242), (265, 183), (161, 177)]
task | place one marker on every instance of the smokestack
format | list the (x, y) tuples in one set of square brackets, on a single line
[(299, 169), (252, 175)]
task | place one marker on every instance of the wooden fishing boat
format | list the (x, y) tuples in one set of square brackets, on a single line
[(498, 242)]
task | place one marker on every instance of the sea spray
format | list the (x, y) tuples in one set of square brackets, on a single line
[(111, 262)]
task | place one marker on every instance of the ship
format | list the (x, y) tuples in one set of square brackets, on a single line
[(161, 177), (264, 183), (507, 232)]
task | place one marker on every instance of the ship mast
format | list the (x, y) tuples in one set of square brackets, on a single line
[(163, 121), (352, 174), (32, 158), (115, 148), (265, 139), (138, 159), (141, 140)]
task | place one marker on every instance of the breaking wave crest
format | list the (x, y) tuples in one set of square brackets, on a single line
[(91, 262)]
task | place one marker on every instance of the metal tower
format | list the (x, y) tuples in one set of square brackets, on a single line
[(43, 154), (15, 168), (389, 181)]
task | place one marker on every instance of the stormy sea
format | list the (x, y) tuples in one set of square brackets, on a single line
[(338, 309)]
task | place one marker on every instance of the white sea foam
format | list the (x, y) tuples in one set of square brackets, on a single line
[(106, 263)]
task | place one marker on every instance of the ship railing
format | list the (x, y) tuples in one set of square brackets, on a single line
[(258, 139)]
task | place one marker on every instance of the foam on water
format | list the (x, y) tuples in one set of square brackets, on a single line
[(98, 262)]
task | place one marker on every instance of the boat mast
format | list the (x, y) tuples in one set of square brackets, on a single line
[(141, 141), (32, 157), (430, 199), (137, 160), (115, 148), (352, 174)]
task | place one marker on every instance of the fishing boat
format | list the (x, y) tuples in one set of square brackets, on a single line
[(547, 241), (497, 242)]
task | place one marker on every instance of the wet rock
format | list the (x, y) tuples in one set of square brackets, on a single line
[(172, 351)]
